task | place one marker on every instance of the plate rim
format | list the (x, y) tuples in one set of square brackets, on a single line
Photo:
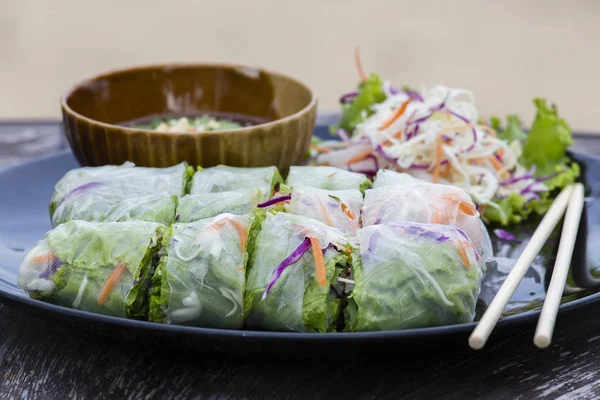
[(13, 299)]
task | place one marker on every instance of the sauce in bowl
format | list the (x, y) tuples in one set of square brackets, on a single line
[(200, 122)]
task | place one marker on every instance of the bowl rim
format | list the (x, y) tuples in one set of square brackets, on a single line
[(174, 65)]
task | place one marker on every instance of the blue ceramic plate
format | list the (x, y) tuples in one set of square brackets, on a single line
[(26, 190)]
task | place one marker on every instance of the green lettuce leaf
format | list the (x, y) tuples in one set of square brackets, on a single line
[(547, 140), (369, 92)]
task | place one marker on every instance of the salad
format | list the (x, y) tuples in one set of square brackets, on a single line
[(437, 134)]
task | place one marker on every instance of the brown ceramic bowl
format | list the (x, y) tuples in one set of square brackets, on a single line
[(94, 111)]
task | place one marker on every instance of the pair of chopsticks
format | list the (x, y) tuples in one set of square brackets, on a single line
[(572, 200)]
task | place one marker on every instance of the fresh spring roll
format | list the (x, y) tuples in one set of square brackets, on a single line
[(200, 280), (337, 208), (426, 202), (388, 177), (97, 267), (325, 177), (412, 276), (223, 178), (193, 207), (124, 192), (297, 275)]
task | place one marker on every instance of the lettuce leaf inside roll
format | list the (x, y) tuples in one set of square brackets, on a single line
[(413, 276), (194, 207), (98, 267), (200, 280), (325, 177), (224, 178), (115, 193), (295, 281)]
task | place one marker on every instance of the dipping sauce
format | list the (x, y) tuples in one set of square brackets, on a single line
[(205, 122)]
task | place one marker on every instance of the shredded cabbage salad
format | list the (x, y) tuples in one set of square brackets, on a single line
[(436, 134)]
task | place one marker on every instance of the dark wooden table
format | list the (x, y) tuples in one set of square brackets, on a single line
[(45, 360)]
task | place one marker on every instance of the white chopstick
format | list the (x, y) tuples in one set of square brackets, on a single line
[(494, 311), (545, 327)]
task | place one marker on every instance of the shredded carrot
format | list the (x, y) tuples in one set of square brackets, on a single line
[(320, 149), (464, 206), (331, 175), (361, 71), (498, 166), (396, 114), (438, 159), (445, 170), (500, 152), (241, 232), (399, 134), (43, 258), (349, 213), (241, 229), (360, 157), (438, 217), (387, 143), (111, 282), (345, 249), (240, 268), (319, 261), (462, 252), (324, 212)]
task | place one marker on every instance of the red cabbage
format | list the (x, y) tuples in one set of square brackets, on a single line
[(348, 97), (78, 189), (343, 135), (382, 154), (51, 270), (291, 259), (502, 234), (274, 200)]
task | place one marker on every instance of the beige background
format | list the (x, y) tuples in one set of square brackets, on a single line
[(506, 52)]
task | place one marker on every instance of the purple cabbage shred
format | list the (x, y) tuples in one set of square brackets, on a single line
[(274, 200), (81, 188), (51, 270), (502, 234)]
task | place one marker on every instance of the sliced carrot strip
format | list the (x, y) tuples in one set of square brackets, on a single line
[(42, 258), (324, 212), (332, 174), (438, 159), (359, 67), (349, 213), (360, 157), (240, 268), (111, 282), (498, 166), (399, 134), (438, 218), (241, 229), (500, 152), (462, 252), (319, 261), (320, 149), (395, 115), (464, 206), (445, 170)]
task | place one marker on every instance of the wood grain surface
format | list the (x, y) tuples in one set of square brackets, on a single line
[(44, 360)]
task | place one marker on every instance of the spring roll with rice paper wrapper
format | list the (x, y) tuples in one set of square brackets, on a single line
[(115, 193), (413, 275), (100, 267), (388, 177), (426, 202), (201, 278), (326, 177), (224, 178), (195, 207), (336, 208), (298, 275)]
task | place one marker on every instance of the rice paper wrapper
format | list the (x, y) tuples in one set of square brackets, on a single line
[(97, 267), (200, 206), (224, 178), (329, 178), (337, 208), (388, 177), (413, 276), (201, 279), (296, 302), (116, 193), (427, 203)]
